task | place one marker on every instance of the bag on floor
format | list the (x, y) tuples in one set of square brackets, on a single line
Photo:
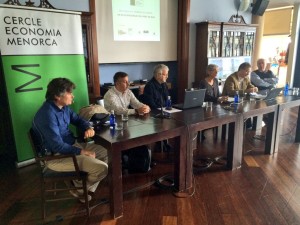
[(137, 160)]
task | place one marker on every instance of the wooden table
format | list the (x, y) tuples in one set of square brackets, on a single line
[(198, 119), (141, 130), (258, 108), (285, 103)]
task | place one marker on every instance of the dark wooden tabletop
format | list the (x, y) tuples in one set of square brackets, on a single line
[(137, 127), (137, 131), (201, 118)]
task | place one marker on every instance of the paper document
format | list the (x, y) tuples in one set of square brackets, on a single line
[(173, 110)]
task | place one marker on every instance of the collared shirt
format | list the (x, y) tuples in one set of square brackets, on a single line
[(119, 102), (263, 79), (241, 83), (155, 94), (232, 85), (52, 123)]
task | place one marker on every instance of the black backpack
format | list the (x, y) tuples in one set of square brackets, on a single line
[(137, 160)]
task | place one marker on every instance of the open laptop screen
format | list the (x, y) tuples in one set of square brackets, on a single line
[(192, 98), (273, 93)]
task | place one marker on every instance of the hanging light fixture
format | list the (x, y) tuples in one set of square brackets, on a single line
[(244, 5)]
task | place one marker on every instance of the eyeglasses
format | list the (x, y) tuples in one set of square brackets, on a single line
[(162, 74)]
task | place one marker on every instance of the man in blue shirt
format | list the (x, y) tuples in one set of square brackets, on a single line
[(263, 78), (52, 122)]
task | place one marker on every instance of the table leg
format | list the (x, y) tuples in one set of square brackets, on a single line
[(257, 122), (277, 129), (271, 133), (235, 143), (224, 131), (115, 183), (183, 164), (297, 135)]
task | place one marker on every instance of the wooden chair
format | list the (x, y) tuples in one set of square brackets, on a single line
[(50, 178)]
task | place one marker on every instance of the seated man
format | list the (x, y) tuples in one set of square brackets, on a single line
[(156, 90), (156, 93), (238, 81), (52, 122), (262, 78), (119, 98)]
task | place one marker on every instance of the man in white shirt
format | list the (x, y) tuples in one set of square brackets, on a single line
[(119, 98)]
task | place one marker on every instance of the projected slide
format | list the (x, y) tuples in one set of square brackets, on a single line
[(136, 20)]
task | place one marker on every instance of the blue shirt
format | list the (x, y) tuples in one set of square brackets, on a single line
[(52, 123)]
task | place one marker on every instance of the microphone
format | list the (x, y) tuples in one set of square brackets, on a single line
[(162, 115)]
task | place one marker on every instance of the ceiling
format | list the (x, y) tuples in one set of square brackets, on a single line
[(281, 3)]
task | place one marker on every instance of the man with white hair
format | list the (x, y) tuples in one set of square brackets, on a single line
[(156, 90), (156, 93), (262, 77)]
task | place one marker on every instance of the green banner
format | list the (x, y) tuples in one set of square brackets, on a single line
[(31, 61)]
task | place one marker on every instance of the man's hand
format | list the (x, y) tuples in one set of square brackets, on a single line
[(251, 90), (89, 133), (144, 109), (223, 99), (88, 153)]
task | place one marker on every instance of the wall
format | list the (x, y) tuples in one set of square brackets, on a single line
[(200, 10), (293, 69), (135, 50), (73, 5), (137, 58), (137, 71), (212, 10)]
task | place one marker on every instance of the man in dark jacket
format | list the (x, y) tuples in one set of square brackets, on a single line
[(156, 93), (156, 90)]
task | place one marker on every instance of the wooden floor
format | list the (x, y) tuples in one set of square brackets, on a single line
[(265, 190)]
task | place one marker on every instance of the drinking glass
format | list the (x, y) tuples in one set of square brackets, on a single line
[(125, 117), (119, 126), (295, 91)]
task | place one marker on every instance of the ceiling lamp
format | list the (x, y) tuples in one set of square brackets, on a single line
[(244, 5)]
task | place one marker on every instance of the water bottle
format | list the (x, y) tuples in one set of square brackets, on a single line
[(169, 103), (112, 119), (286, 89), (236, 97)]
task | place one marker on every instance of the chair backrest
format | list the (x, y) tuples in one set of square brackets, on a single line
[(142, 98), (36, 144)]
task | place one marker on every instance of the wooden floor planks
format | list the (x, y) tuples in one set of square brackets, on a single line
[(265, 190)]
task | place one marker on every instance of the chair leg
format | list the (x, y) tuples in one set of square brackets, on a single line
[(85, 192), (215, 133), (43, 199), (224, 131)]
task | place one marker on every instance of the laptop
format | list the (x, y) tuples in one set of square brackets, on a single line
[(273, 93), (192, 98)]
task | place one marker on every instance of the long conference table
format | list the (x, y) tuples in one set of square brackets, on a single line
[(143, 130)]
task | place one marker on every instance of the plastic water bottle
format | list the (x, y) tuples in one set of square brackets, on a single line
[(169, 103), (286, 89), (236, 97), (112, 119)]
